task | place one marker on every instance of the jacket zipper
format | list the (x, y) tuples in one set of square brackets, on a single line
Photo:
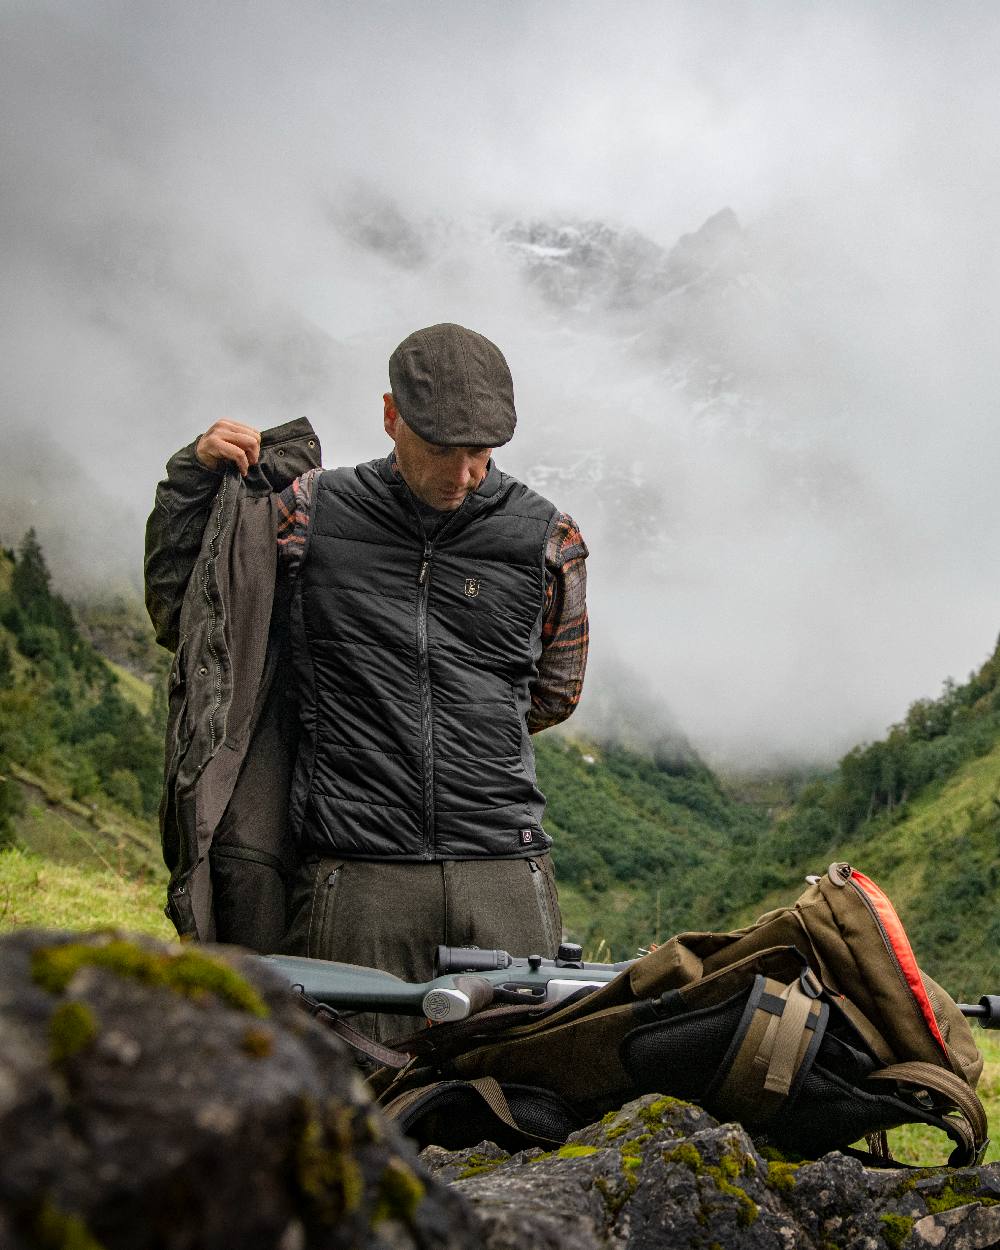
[(212, 618)]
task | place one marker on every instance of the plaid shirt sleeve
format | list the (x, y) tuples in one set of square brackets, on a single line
[(565, 629), (294, 510)]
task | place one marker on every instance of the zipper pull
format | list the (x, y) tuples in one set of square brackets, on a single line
[(424, 566), (839, 873)]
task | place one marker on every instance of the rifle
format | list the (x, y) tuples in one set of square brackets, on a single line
[(468, 979)]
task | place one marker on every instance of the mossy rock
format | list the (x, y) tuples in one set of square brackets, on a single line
[(185, 971)]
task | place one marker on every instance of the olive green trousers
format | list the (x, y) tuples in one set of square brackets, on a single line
[(393, 916)]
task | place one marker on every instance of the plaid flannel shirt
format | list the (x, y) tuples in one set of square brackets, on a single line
[(565, 629)]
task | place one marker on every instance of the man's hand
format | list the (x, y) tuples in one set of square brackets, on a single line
[(229, 440)]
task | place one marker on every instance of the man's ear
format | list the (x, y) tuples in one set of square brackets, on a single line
[(390, 417)]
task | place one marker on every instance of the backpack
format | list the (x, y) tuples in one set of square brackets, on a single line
[(813, 1027)]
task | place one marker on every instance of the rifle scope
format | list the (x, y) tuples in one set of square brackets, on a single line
[(469, 959), (472, 959)]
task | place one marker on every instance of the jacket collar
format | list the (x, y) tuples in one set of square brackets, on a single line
[(286, 451), (484, 494)]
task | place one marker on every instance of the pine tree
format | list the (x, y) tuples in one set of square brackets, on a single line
[(30, 582)]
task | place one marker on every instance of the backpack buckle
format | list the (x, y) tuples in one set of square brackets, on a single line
[(811, 985)]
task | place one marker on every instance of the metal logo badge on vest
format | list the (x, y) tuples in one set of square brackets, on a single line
[(471, 587), (527, 837)]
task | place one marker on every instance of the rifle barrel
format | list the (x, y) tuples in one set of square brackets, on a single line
[(986, 1011)]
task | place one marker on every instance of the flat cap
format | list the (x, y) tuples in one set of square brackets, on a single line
[(452, 386)]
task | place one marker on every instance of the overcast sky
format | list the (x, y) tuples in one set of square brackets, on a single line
[(184, 191)]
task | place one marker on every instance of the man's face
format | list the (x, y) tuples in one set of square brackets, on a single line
[(440, 476)]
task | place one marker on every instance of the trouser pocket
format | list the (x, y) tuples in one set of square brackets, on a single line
[(550, 916), (248, 897), (324, 913)]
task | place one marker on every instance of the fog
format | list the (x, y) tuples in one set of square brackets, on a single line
[(779, 439)]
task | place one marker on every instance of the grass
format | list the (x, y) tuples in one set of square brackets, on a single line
[(132, 688), (36, 892), (57, 827), (919, 1144)]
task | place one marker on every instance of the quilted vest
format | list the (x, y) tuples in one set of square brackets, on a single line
[(414, 657)]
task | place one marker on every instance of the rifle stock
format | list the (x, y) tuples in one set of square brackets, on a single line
[(451, 996)]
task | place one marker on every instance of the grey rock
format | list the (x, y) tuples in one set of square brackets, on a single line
[(661, 1174), (162, 1098), (155, 1097), (971, 1227)]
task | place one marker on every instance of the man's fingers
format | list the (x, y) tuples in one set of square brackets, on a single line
[(229, 440), (238, 455)]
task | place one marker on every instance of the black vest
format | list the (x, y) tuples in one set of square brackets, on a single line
[(414, 660)]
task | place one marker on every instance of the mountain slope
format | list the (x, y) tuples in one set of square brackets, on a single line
[(643, 848), (920, 812)]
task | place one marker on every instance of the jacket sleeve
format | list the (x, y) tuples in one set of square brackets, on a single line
[(173, 539)]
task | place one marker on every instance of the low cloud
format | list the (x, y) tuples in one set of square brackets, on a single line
[(777, 434)]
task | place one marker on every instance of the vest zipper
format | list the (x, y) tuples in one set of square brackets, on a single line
[(424, 677), (426, 708)]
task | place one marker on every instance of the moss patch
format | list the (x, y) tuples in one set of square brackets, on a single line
[(400, 1192), (477, 1164), (653, 1114), (732, 1163), (186, 972), (257, 1043), (72, 1027), (781, 1176), (327, 1172), (957, 1193), (746, 1209), (895, 1230), (57, 1230), (686, 1154), (614, 1198), (575, 1152)]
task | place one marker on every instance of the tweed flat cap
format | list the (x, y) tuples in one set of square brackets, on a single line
[(452, 386)]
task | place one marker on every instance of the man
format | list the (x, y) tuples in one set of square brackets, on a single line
[(437, 618)]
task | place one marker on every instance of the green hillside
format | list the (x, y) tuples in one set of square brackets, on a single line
[(643, 849), (920, 812), (80, 764)]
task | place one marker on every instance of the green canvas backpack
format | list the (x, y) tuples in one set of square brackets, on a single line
[(813, 1027)]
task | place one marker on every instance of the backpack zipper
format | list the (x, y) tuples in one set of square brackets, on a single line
[(871, 895)]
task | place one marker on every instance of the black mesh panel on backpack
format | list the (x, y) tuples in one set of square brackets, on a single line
[(680, 1055), (830, 1112)]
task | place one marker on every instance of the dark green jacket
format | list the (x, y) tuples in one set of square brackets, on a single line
[(211, 574)]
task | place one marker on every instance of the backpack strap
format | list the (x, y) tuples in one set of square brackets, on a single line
[(382, 1056), (773, 1048), (404, 1105), (968, 1128)]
